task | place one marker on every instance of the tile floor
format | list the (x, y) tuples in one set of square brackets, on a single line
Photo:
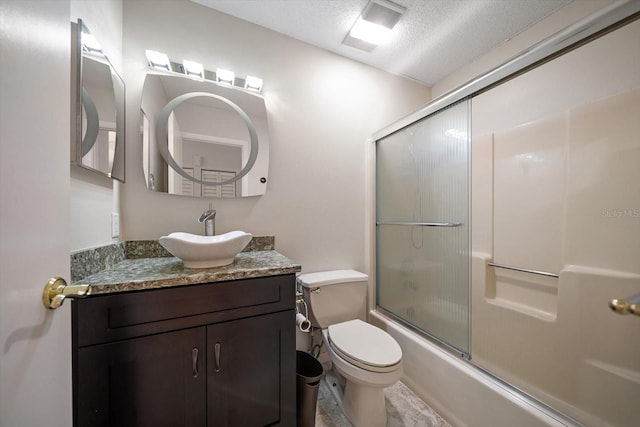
[(404, 409)]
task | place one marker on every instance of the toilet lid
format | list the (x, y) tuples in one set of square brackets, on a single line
[(365, 345)]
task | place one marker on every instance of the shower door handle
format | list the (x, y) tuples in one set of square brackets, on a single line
[(630, 305), (422, 224)]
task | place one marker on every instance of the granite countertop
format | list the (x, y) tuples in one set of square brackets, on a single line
[(153, 273)]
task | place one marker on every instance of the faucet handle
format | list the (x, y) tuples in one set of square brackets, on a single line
[(207, 215)]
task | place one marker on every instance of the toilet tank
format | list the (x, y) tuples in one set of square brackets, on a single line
[(334, 296)]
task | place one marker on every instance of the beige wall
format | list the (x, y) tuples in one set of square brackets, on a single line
[(321, 108)]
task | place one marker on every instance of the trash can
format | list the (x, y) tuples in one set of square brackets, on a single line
[(308, 373)]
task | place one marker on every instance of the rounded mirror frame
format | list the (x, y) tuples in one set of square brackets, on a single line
[(92, 123), (86, 112), (162, 136)]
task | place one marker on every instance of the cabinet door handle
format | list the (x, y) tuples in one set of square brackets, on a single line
[(217, 356), (194, 362)]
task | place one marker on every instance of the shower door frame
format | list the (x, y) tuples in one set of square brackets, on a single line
[(608, 19), (441, 341)]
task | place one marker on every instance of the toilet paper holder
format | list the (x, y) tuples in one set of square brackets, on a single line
[(302, 319)]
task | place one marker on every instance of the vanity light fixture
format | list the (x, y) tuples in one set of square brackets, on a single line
[(158, 60), (225, 76), (195, 69), (192, 68), (253, 83), (373, 27)]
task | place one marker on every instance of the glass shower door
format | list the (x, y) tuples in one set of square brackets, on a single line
[(422, 225)]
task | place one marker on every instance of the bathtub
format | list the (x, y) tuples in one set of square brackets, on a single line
[(461, 393)]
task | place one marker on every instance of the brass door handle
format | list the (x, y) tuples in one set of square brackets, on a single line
[(630, 305), (56, 291)]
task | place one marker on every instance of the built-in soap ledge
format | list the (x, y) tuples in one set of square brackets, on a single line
[(527, 293)]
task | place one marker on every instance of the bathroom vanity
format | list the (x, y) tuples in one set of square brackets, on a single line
[(157, 344)]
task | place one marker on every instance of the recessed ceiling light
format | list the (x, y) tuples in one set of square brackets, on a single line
[(383, 12), (374, 25), (370, 32)]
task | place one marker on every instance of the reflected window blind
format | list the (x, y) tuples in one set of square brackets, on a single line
[(226, 190)]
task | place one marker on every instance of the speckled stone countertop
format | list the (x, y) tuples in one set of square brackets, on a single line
[(153, 273)]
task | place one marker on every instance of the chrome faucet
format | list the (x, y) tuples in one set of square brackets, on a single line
[(208, 217)]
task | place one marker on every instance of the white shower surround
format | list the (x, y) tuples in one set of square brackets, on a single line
[(465, 395)]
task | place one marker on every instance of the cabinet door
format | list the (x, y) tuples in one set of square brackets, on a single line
[(251, 371), (154, 381)]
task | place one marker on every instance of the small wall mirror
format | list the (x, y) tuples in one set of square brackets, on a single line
[(203, 139), (98, 108)]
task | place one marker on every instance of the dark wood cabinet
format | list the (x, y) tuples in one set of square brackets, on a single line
[(221, 354), (245, 372), (143, 382)]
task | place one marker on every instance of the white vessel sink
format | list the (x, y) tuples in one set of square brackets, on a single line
[(197, 251)]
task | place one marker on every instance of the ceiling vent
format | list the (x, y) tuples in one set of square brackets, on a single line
[(374, 24)]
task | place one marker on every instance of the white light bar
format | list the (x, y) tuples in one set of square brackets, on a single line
[(195, 69)]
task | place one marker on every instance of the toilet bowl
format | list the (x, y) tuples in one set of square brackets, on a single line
[(368, 367), (364, 358)]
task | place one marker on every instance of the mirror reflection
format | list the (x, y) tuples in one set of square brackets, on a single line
[(202, 139), (99, 105)]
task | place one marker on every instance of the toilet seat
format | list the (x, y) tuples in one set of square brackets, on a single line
[(365, 346)]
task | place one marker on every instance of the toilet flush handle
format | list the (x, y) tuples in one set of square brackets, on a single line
[(316, 290)]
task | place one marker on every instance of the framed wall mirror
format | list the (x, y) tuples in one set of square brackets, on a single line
[(203, 139), (98, 114)]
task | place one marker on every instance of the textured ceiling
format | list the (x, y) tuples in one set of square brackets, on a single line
[(433, 38)]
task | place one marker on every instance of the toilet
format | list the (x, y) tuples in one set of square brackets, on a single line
[(365, 359)]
